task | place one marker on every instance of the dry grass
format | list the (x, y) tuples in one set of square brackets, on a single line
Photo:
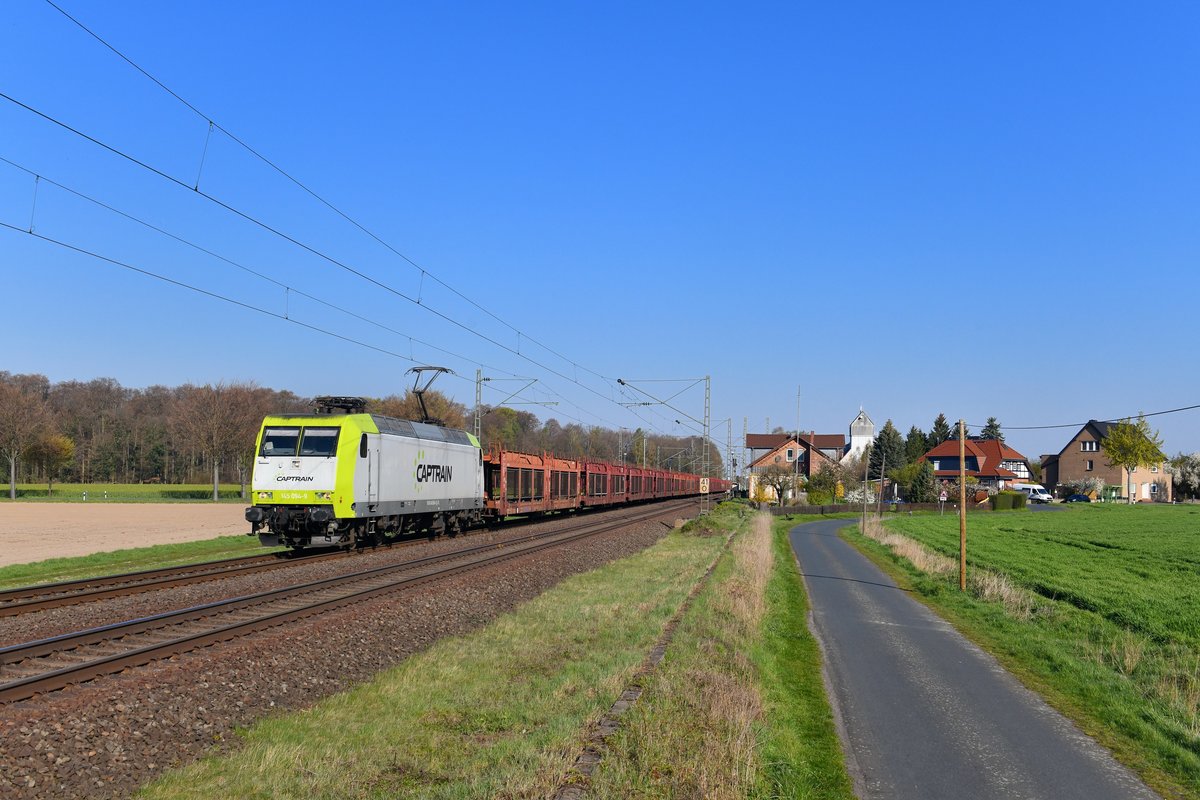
[(694, 731), (1180, 688), (1126, 651), (990, 586)]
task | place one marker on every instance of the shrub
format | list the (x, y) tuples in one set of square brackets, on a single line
[(1008, 501), (819, 497)]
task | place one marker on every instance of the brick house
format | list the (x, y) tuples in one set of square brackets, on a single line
[(767, 449), (1083, 457), (805, 454)]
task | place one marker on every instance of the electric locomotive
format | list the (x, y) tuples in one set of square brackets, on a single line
[(343, 477)]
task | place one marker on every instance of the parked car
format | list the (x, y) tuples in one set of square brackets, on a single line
[(1077, 498)]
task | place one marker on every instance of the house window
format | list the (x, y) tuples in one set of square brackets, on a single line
[(791, 454), (1089, 447), (1090, 465), (937, 465), (1018, 468), (1154, 469), (1154, 488)]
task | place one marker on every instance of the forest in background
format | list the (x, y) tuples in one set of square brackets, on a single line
[(99, 431)]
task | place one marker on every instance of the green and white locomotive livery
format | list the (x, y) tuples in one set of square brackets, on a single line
[(325, 480)]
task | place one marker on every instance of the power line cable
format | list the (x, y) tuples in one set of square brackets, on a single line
[(292, 289), (212, 124), (230, 300), (1081, 424), (312, 250)]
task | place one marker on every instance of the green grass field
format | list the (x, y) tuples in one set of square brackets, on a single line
[(1111, 635), (123, 492), (133, 559)]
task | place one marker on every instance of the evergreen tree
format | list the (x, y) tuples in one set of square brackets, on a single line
[(940, 433), (992, 430), (924, 486), (888, 452), (914, 444)]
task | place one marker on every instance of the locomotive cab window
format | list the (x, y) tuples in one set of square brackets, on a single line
[(280, 442), (319, 442)]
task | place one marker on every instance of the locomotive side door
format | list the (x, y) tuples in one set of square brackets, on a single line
[(371, 449)]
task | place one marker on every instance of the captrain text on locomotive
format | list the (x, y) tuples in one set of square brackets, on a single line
[(355, 479)]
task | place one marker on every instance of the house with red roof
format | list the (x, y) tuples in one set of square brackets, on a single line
[(990, 461)]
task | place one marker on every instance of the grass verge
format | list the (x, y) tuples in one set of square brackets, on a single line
[(737, 709), (497, 713), (131, 560), (1082, 662)]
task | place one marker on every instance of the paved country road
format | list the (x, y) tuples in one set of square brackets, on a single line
[(925, 714)]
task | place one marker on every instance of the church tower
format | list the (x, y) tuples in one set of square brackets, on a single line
[(862, 433)]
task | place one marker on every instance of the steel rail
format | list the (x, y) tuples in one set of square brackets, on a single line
[(27, 599), (60, 677), (39, 597)]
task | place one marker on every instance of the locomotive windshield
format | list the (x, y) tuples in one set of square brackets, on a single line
[(280, 441), (319, 442)]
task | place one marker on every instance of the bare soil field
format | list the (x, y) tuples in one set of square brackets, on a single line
[(37, 531)]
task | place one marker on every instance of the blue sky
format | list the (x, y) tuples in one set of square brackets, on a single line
[(916, 208)]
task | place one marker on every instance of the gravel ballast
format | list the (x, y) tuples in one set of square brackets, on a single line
[(106, 738)]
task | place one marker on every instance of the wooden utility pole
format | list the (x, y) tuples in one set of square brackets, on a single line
[(866, 473), (882, 470), (962, 505)]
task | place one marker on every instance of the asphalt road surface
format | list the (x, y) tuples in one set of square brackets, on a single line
[(925, 714)]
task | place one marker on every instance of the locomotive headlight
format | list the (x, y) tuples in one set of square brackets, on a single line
[(324, 495), (264, 495)]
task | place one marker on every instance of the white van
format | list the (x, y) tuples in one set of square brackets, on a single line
[(1035, 492)]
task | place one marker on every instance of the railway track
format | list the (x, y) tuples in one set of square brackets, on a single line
[(40, 597), (47, 665), (28, 599)]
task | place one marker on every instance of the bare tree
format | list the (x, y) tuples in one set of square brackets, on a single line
[(780, 478), (452, 414), (219, 421), (23, 421)]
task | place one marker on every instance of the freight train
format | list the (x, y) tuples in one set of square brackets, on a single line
[(357, 479)]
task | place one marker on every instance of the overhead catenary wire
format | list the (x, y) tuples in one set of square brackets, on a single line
[(249, 270), (223, 298), (212, 124), (312, 250)]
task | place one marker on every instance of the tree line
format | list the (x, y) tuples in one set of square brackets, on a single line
[(99, 431)]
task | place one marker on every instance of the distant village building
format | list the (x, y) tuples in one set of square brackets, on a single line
[(990, 461), (1084, 457), (862, 433), (806, 452)]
